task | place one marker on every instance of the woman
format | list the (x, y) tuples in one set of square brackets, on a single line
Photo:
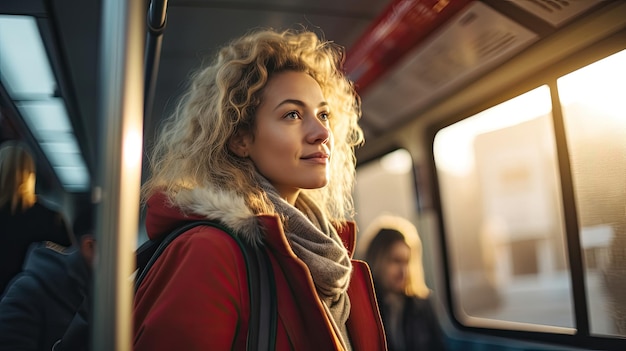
[(23, 219), (395, 255), (263, 143)]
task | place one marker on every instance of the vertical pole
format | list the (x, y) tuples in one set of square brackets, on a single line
[(156, 26), (119, 171)]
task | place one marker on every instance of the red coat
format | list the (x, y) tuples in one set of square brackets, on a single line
[(195, 297)]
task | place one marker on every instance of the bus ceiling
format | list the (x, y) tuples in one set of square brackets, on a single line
[(402, 55)]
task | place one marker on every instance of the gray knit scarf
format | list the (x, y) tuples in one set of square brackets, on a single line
[(315, 241)]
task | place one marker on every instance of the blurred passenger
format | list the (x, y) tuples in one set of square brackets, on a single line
[(395, 257), (49, 300), (262, 143), (23, 219)]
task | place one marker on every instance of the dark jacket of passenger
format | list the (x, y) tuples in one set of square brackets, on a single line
[(420, 327), (41, 302), (19, 231)]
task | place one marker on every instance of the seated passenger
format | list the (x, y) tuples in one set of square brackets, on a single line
[(49, 294), (24, 219), (395, 256)]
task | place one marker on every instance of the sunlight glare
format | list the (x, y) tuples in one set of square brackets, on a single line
[(453, 146)]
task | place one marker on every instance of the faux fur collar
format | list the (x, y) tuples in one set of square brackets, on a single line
[(165, 214)]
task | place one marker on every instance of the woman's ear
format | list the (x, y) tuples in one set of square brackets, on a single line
[(239, 143)]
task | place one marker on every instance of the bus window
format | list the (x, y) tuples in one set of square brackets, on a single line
[(594, 116), (503, 210), (498, 177)]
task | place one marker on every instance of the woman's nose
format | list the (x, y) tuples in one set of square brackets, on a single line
[(319, 131)]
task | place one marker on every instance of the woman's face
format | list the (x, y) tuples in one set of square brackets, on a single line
[(395, 268), (292, 143)]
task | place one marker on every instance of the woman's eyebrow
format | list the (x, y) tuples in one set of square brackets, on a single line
[(299, 103)]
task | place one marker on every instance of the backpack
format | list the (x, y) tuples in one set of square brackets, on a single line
[(263, 308)]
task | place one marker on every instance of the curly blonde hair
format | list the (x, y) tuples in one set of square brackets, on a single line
[(192, 149)]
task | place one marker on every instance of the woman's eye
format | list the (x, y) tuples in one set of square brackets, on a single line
[(292, 115), (324, 116)]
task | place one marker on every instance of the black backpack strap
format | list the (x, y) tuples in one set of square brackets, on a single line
[(262, 288), (263, 308)]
